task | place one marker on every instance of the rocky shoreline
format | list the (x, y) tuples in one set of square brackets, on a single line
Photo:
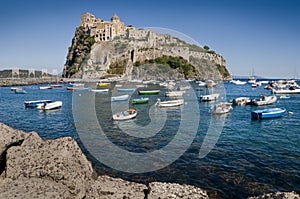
[(34, 168)]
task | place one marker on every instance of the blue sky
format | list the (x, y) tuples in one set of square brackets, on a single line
[(253, 34)]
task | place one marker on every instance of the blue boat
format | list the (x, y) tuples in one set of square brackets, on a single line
[(126, 89), (20, 91), (267, 113), (120, 98), (33, 104)]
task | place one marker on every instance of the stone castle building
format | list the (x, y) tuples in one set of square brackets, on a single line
[(102, 30)]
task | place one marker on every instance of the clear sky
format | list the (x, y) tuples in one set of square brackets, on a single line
[(250, 34)]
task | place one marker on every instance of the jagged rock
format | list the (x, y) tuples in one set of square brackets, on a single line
[(278, 195), (114, 188), (9, 136), (60, 160), (173, 190), (28, 188)]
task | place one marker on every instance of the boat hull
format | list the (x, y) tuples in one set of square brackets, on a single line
[(151, 92), (267, 113), (140, 101)]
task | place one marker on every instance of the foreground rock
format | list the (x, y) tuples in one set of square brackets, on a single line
[(35, 168), (278, 195)]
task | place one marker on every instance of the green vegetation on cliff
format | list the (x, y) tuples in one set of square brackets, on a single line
[(81, 47)]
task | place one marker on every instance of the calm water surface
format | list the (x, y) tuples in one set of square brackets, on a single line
[(250, 157)]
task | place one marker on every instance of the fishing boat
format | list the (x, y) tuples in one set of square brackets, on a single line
[(119, 98), (221, 108), (174, 93), (50, 105), (267, 113), (149, 92), (126, 89), (45, 87), (169, 103), (103, 84), (211, 97), (142, 100), (33, 104), (125, 115), (20, 91), (264, 100), (241, 101), (14, 88)]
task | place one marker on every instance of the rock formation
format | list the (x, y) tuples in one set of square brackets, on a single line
[(124, 55)]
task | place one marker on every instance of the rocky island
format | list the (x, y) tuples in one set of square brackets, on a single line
[(109, 48)]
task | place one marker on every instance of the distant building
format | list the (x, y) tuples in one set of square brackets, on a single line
[(103, 30)]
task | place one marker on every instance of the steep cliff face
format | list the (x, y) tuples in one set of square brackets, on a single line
[(139, 54)]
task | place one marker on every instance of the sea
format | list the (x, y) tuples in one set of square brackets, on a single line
[(230, 155)]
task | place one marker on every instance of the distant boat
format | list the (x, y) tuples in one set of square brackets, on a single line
[(267, 113), (56, 86), (264, 100), (221, 108), (100, 90), (210, 83), (50, 106), (20, 91), (45, 87), (286, 91), (103, 84), (126, 89), (149, 92), (210, 97), (33, 104), (285, 97), (241, 101), (174, 93), (238, 82), (14, 88), (140, 100), (120, 98), (125, 115), (169, 103), (200, 83)]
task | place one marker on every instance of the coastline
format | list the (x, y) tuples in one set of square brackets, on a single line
[(34, 168)]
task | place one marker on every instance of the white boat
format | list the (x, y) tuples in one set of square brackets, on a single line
[(284, 97), (264, 100), (119, 98), (174, 93), (238, 82), (125, 115), (241, 101), (211, 83), (222, 107), (267, 113), (169, 103), (45, 87), (210, 97), (49, 106), (33, 104), (286, 91), (100, 90)]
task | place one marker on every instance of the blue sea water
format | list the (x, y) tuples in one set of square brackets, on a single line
[(250, 157)]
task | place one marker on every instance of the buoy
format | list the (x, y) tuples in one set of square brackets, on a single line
[(291, 113)]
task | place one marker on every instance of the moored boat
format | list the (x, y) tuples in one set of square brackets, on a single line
[(210, 97), (100, 90), (267, 113), (264, 100), (149, 92), (50, 105), (45, 87), (286, 91), (241, 101), (169, 103), (222, 107), (103, 84), (33, 104), (142, 100), (20, 91), (126, 89), (174, 93), (119, 98), (56, 86), (125, 115)]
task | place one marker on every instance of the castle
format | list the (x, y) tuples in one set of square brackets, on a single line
[(103, 30)]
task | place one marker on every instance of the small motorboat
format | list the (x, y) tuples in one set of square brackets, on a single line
[(119, 98), (267, 113), (125, 115), (210, 97), (222, 107), (169, 103), (174, 93), (33, 104), (149, 92), (126, 89), (20, 91), (103, 84), (56, 86), (100, 90), (264, 100), (50, 106), (142, 100), (45, 87)]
